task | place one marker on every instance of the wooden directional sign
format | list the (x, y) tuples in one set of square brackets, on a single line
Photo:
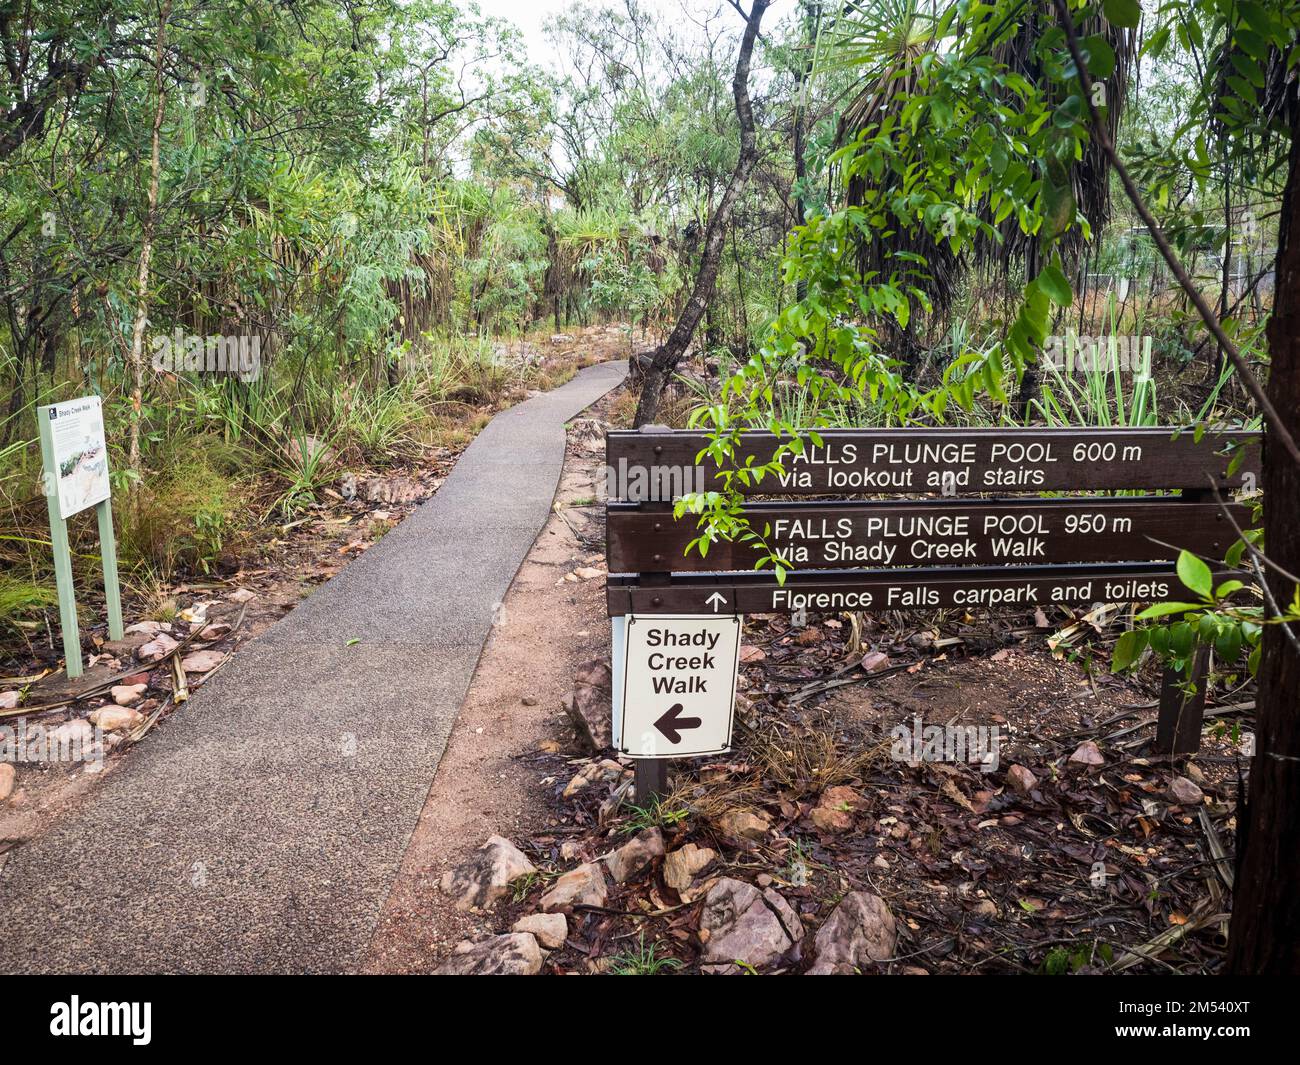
[(678, 685), (911, 589), (931, 532), (950, 461), (931, 551)]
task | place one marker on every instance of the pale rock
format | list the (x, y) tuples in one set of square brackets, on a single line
[(635, 856), (514, 954), (486, 877), (606, 771), (745, 824), (1021, 779), (740, 923), (1185, 792), (128, 694), (588, 573), (589, 704), (241, 595), (72, 733), (683, 865), (550, 929), (116, 718), (9, 700), (159, 647), (149, 628), (7, 777), (1087, 754), (583, 886), (202, 661), (860, 931)]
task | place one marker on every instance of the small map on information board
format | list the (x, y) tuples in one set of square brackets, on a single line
[(80, 455)]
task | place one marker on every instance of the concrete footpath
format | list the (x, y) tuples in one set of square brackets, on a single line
[(260, 828)]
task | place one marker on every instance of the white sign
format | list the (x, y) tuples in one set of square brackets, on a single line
[(80, 456), (678, 684)]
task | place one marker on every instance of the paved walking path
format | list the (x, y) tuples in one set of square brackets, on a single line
[(259, 829)]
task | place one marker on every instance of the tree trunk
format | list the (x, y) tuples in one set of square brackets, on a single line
[(667, 356), (146, 254), (1265, 930)]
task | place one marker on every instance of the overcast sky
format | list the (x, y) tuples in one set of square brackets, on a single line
[(531, 15)]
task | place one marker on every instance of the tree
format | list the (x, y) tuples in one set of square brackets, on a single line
[(666, 357)]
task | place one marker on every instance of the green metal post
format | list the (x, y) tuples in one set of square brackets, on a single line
[(62, 553), (108, 554)]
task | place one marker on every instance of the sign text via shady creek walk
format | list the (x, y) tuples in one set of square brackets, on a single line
[(679, 685)]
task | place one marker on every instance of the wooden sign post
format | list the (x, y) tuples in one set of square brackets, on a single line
[(74, 457), (1008, 546)]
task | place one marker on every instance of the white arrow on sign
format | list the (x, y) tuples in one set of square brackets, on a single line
[(717, 599)]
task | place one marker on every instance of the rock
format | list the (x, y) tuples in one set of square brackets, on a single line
[(9, 700), (128, 694), (875, 661), (149, 628), (550, 929), (7, 777), (635, 856), (202, 661), (985, 908), (861, 930), (514, 954), (1185, 792), (529, 700), (72, 733), (749, 653), (740, 923), (684, 864), (745, 824), (834, 810), (159, 647), (116, 718), (241, 595), (1021, 779), (1087, 754), (584, 886), (588, 573), (589, 704), (487, 876), (605, 771)]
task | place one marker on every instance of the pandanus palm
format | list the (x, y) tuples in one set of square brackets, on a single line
[(884, 46)]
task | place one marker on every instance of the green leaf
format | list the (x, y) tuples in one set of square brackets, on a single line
[(1195, 574), (1101, 57), (1128, 649), (1054, 282), (1228, 645), (1160, 610), (1124, 13)]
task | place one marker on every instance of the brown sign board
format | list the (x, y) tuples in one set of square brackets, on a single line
[(930, 532), (656, 466), (911, 589)]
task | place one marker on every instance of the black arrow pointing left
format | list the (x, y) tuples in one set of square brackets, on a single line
[(672, 724)]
